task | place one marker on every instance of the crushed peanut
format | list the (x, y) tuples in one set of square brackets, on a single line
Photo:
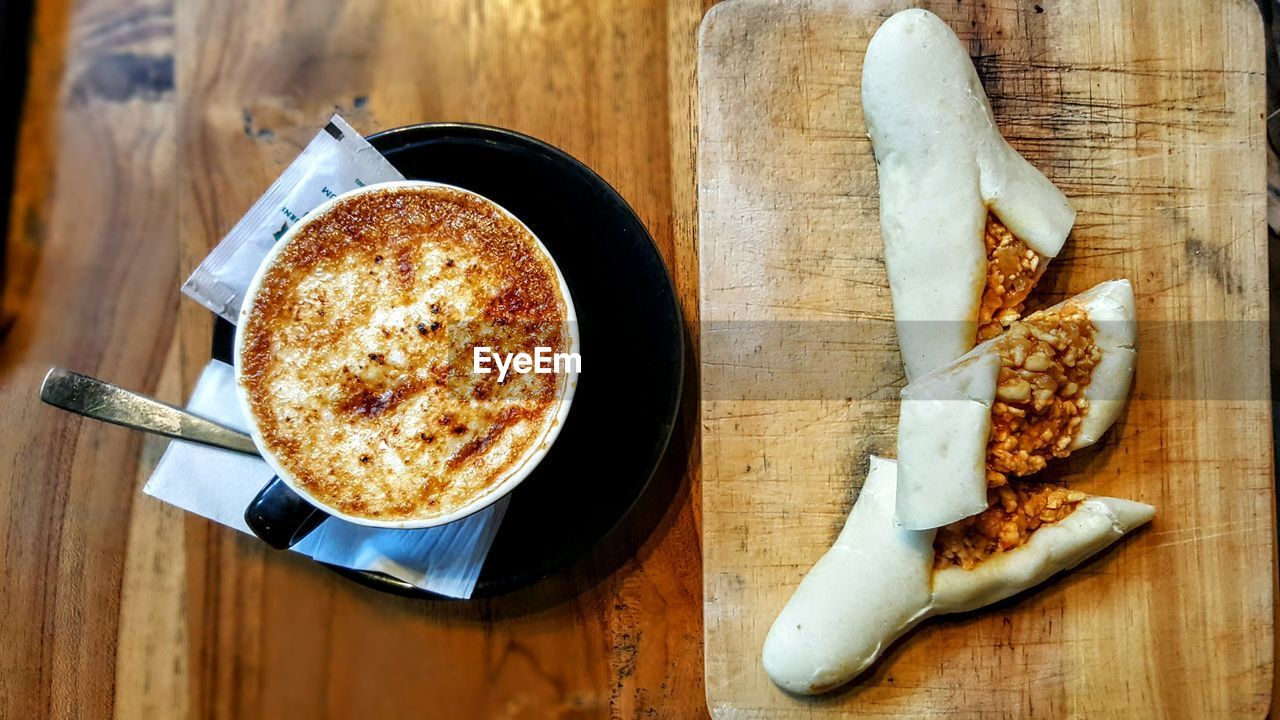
[(1015, 512), (1046, 361), (1012, 271)]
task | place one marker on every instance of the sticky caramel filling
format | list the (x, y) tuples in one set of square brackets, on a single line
[(1046, 361), (1012, 271), (1016, 511)]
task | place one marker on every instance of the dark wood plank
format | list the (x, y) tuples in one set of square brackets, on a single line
[(124, 606), (618, 633), (94, 272)]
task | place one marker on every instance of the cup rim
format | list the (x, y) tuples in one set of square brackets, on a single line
[(528, 462)]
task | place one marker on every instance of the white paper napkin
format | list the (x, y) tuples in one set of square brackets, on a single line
[(218, 484)]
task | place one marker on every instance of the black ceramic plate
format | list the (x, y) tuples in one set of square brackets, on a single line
[(632, 343)]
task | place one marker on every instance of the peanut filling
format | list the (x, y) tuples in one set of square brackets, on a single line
[(1012, 271), (1016, 511), (1046, 361)]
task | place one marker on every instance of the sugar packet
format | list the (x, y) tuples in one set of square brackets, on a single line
[(339, 159)]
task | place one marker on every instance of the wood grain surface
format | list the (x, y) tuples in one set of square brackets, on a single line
[(1150, 116), (150, 126)]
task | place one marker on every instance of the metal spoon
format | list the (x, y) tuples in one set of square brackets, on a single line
[(100, 400)]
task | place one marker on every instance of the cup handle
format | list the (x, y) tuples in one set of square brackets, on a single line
[(280, 516)]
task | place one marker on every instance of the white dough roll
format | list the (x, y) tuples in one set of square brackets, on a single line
[(878, 581), (942, 164), (868, 589)]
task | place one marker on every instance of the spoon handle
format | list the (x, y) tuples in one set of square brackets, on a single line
[(100, 400)]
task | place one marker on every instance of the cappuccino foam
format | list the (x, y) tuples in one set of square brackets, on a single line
[(356, 354)]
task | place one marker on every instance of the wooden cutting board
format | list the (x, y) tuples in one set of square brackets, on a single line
[(1149, 115)]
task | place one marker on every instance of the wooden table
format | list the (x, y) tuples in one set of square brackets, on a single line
[(150, 126)]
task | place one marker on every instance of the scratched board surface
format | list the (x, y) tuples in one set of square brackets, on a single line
[(1149, 115)]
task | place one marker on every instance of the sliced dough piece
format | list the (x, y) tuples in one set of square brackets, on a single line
[(956, 400), (869, 588), (1093, 525), (1112, 310), (942, 166), (877, 582), (949, 458)]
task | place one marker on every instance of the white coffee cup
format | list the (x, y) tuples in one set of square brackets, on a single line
[(280, 519)]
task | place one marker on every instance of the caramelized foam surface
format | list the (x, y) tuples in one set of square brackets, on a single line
[(357, 358)]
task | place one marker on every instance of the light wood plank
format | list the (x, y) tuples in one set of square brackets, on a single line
[(1152, 121)]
